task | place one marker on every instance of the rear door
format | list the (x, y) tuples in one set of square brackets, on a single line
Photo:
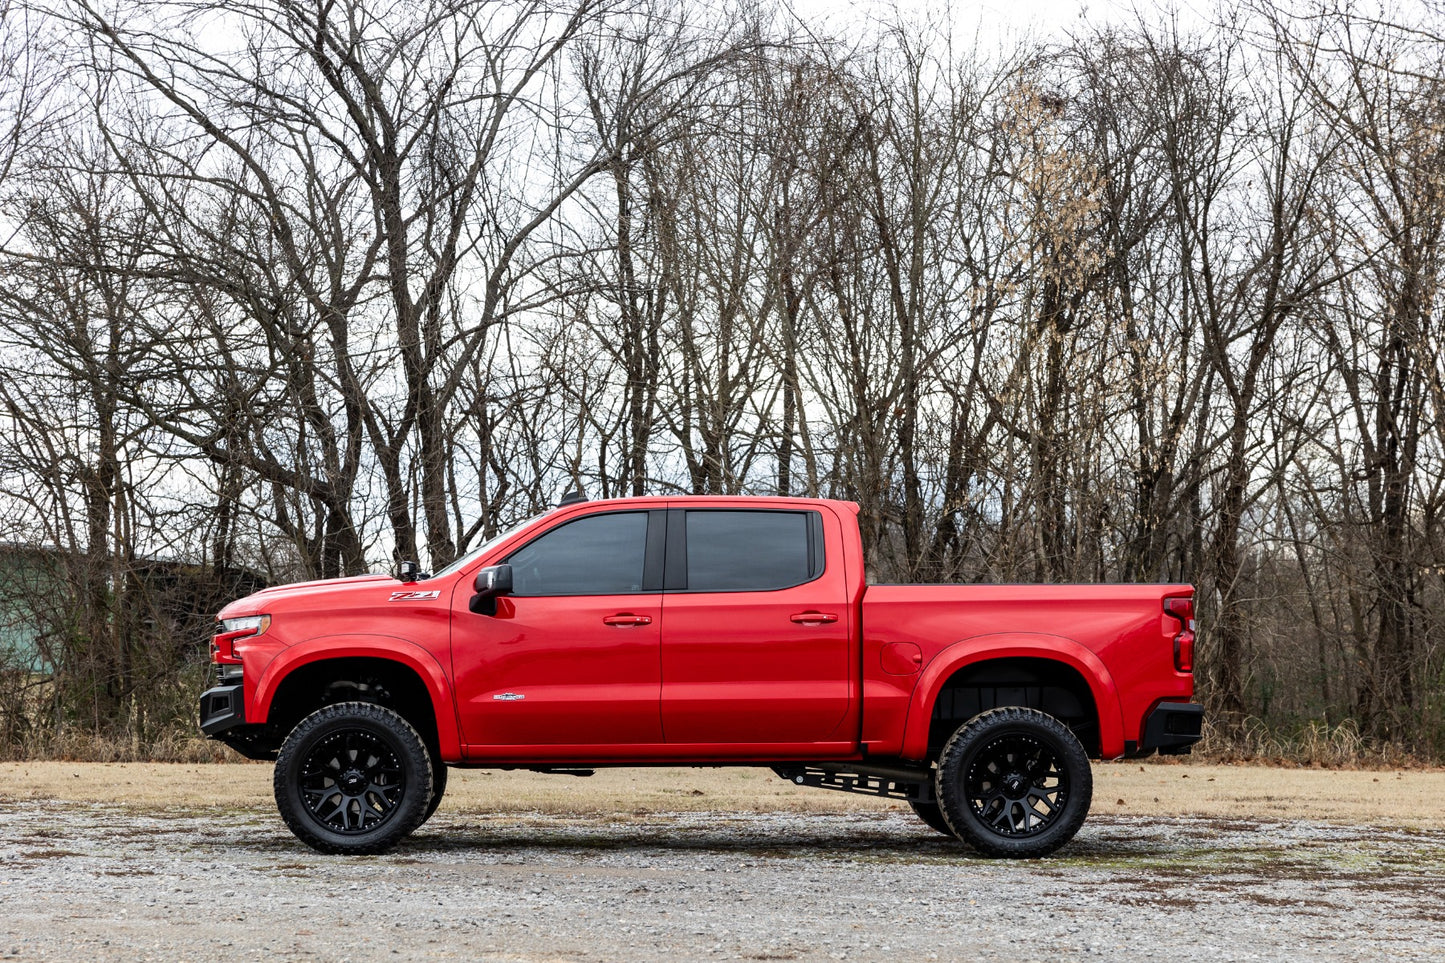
[(756, 635)]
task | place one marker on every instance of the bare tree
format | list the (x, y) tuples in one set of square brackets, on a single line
[(1382, 90)]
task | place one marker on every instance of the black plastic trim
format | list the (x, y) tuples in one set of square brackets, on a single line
[(652, 564), (675, 580), (222, 708), (1173, 728)]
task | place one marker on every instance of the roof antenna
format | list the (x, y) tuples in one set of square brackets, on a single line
[(571, 498)]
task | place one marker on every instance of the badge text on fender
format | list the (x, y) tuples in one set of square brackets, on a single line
[(414, 596)]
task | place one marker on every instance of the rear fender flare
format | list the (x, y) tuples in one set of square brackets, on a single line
[(1004, 645), (388, 648)]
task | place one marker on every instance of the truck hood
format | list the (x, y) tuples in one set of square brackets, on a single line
[(258, 602)]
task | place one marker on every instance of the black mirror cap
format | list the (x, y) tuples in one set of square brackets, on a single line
[(494, 580)]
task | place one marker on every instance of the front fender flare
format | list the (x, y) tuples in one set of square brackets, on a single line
[(1004, 645), (389, 648)]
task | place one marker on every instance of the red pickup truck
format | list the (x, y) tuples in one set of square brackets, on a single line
[(699, 631)]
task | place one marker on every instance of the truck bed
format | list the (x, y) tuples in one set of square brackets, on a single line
[(1116, 636)]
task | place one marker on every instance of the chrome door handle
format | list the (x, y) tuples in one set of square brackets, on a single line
[(626, 618), (814, 618)]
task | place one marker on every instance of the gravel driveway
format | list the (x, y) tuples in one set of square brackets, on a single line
[(83, 881)]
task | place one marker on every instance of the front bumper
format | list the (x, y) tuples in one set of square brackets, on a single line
[(223, 718), (1172, 728), (222, 708)]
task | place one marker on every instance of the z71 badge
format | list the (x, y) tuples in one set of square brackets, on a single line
[(414, 596)]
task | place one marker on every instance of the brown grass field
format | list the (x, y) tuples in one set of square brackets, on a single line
[(1404, 798)]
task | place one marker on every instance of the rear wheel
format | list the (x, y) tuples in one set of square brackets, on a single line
[(353, 777), (1014, 782), (933, 816)]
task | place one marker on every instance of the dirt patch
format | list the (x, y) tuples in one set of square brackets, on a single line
[(1189, 862), (1127, 789), (173, 884)]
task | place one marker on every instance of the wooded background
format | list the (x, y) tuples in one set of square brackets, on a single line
[(295, 290)]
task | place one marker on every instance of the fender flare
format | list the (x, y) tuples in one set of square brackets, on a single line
[(385, 647), (1005, 645)]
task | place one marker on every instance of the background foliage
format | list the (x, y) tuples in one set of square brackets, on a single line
[(297, 289)]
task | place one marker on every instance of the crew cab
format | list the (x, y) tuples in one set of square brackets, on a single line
[(699, 631)]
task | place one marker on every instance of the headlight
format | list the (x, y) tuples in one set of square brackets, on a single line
[(246, 627), (223, 644)]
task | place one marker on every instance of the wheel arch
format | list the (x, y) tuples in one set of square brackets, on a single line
[(297, 681), (1050, 661)]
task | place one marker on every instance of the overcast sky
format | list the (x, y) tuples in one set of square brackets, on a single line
[(1003, 16)]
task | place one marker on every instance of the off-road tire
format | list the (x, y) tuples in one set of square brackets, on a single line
[(931, 814), (1014, 783), (438, 787), (353, 778)]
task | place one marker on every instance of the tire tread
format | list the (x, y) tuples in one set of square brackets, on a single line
[(387, 836), (959, 817)]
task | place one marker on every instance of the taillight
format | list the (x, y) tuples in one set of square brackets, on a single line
[(223, 643), (1182, 611)]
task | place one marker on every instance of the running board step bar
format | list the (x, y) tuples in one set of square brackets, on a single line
[(890, 782)]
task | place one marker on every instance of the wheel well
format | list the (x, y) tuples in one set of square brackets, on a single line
[(382, 681), (1043, 684)]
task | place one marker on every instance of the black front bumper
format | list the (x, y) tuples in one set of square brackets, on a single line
[(1172, 728), (223, 718), (222, 708)]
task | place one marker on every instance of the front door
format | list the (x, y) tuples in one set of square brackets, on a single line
[(571, 656)]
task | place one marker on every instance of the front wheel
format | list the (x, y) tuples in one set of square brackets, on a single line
[(353, 778), (1014, 782), (438, 787)]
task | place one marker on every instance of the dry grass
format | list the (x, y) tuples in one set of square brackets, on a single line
[(79, 745), (1341, 746), (1407, 798)]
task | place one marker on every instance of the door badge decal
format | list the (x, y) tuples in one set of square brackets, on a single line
[(509, 697)]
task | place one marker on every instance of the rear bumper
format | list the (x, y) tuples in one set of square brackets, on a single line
[(1172, 728)]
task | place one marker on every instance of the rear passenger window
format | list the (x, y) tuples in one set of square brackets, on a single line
[(595, 555), (742, 551)]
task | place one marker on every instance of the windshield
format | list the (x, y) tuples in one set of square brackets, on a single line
[(486, 546)]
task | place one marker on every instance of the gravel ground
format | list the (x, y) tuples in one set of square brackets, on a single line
[(86, 881)]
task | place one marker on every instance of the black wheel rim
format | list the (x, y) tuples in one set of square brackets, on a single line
[(1016, 785), (352, 781)]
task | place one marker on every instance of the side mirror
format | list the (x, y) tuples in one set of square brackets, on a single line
[(492, 581)]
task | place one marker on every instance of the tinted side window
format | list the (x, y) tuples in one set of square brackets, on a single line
[(595, 555), (730, 551)]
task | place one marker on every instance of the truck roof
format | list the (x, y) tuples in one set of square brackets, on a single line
[(739, 501)]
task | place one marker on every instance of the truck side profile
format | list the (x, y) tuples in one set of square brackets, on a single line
[(700, 631)]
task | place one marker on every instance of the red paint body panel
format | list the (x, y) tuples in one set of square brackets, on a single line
[(716, 677), (738, 670), (340, 618), (1110, 634), (415, 657), (583, 682)]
